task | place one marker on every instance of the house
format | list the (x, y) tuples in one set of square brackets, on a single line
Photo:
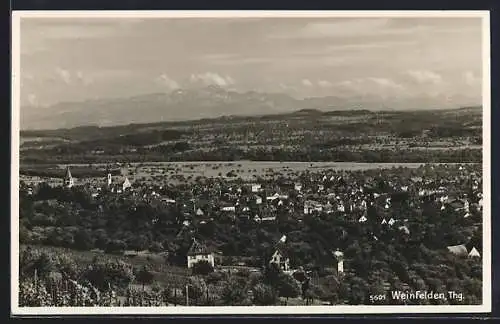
[(268, 219), (228, 208), (391, 221), (256, 187), (126, 184), (362, 219), (273, 197), (199, 252), (404, 229), (68, 179), (341, 208), (298, 187), (459, 250), (474, 253), (258, 200), (280, 257), (312, 206), (199, 212)]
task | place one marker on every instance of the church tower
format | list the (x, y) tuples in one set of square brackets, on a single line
[(68, 179)]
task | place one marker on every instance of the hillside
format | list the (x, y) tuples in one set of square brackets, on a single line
[(449, 135)]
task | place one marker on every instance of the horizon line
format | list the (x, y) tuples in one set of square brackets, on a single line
[(236, 116)]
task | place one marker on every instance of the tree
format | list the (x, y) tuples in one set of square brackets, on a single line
[(144, 276), (264, 295), (82, 240), (272, 274), (358, 291), (111, 274), (202, 267), (31, 262), (234, 292), (115, 246), (156, 247), (196, 289), (288, 287)]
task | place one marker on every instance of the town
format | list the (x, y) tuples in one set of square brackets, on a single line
[(317, 236)]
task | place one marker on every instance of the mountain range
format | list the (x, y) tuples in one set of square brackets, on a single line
[(207, 102)]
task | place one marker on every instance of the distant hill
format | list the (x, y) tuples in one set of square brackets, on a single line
[(183, 104)]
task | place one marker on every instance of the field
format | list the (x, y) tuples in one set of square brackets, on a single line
[(340, 136), (188, 171)]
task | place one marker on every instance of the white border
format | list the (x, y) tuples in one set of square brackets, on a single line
[(251, 310)]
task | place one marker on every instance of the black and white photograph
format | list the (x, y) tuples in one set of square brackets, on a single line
[(250, 162)]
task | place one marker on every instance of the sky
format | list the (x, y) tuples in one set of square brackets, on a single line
[(77, 59)]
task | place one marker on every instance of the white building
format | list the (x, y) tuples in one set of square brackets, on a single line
[(199, 252), (126, 184), (68, 179), (339, 256), (474, 253), (256, 187), (280, 259), (228, 208)]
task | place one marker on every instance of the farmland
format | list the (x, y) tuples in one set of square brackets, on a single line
[(189, 171), (308, 136)]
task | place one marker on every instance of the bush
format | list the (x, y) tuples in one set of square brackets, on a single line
[(264, 295), (144, 276), (83, 241), (202, 268), (234, 292), (111, 274)]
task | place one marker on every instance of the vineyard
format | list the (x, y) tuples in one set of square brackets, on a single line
[(50, 279)]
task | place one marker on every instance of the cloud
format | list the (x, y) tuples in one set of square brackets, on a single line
[(83, 78), (321, 83), (425, 77), (346, 27), (211, 78), (307, 83), (324, 84), (64, 75), (166, 81), (471, 79), (377, 86), (77, 77), (384, 83)]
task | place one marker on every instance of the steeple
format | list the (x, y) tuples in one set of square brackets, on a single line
[(68, 179)]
